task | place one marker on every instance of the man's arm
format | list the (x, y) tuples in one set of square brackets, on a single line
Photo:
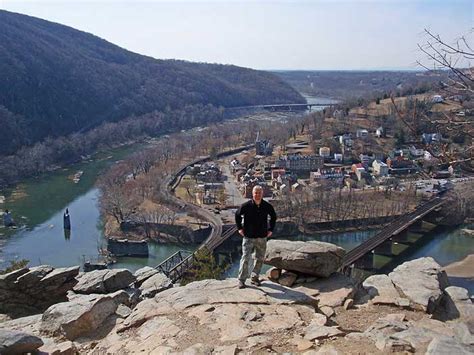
[(273, 218), (238, 220)]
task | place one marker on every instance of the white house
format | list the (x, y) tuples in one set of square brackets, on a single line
[(380, 168), (437, 98), (379, 132), (362, 133)]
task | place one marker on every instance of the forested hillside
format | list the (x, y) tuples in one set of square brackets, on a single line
[(349, 84), (56, 80)]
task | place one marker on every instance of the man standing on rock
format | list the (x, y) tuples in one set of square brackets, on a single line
[(255, 232)]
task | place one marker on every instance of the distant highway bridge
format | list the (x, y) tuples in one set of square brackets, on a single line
[(282, 107)]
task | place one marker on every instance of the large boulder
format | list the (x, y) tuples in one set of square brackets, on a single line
[(422, 281), (382, 290), (143, 274), (313, 257), (104, 281), (456, 304), (155, 284), (15, 342), (79, 317)]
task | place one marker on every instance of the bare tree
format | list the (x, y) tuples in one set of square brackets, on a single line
[(455, 58)]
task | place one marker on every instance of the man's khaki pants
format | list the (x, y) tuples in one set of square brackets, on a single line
[(248, 246)]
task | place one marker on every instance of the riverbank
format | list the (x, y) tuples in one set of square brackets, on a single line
[(463, 268)]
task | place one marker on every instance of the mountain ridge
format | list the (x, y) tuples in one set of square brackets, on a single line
[(57, 80)]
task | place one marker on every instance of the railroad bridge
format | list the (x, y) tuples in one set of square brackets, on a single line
[(396, 232)]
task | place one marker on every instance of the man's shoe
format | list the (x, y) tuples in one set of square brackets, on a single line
[(255, 281), (242, 284)]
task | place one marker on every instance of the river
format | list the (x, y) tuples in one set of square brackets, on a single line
[(38, 204)]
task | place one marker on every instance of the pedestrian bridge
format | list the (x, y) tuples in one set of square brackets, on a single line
[(180, 262)]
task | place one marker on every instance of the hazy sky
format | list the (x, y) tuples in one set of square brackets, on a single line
[(374, 34)]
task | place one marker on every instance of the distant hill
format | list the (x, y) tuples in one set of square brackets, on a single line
[(56, 80), (352, 83)]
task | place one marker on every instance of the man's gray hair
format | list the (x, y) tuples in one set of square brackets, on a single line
[(257, 187)]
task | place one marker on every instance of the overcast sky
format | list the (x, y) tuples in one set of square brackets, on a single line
[(378, 34)]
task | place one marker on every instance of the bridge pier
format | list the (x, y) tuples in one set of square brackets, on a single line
[(384, 249), (416, 227), (401, 237), (366, 262)]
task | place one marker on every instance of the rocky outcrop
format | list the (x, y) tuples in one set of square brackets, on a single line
[(315, 315), (32, 290), (15, 342), (104, 281), (392, 334), (312, 258), (418, 283), (422, 281), (215, 309)]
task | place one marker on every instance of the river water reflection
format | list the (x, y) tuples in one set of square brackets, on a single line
[(38, 206)]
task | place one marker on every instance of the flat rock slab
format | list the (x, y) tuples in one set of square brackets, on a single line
[(13, 276), (60, 275), (15, 342), (314, 331), (32, 277), (422, 281), (28, 324), (104, 281), (210, 292), (332, 291), (447, 345), (312, 258)]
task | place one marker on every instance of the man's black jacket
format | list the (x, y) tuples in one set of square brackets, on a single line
[(255, 218)]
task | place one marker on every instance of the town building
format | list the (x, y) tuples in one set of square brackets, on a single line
[(362, 133), (401, 167), (325, 152), (346, 139), (416, 153), (263, 147), (358, 170), (379, 132), (334, 174), (300, 162), (429, 138), (338, 157), (437, 99), (380, 168)]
